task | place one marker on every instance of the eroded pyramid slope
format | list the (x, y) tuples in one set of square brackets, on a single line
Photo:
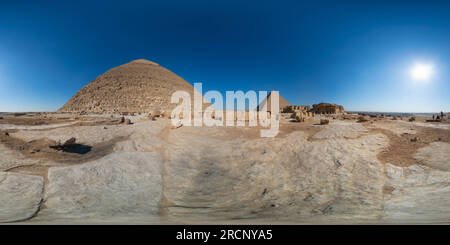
[(139, 86)]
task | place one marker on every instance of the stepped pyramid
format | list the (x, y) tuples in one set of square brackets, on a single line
[(139, 86)]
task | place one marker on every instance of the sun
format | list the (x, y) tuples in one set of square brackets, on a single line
[(422, 72)]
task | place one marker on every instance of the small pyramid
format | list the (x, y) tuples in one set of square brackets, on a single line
[(138, 86), (267, 101)]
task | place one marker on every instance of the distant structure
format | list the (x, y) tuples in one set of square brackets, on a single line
[(139, 86), (268, 101), (293, 108), (302, 112), (326, 108), (322, 108)]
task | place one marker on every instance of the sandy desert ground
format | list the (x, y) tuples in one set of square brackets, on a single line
[(347, 172)]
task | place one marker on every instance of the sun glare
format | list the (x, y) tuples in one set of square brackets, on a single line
[(422, 72)]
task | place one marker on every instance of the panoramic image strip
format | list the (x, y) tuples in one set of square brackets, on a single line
[(225, 113)]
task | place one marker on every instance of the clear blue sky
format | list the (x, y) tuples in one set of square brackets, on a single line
[(357, 54)]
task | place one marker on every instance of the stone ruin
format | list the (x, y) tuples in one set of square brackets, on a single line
[(293, 108), (301, 115), (326, 108), (301, 112)]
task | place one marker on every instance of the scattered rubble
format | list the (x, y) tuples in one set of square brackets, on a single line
[(69, 142), (362, 119), (324, 121), (64, 146)]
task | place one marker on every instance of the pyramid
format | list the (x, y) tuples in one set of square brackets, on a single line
[(139, 86), (267, 101)]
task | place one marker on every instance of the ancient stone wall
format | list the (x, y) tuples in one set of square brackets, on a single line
[(292, 108), (326, 108)]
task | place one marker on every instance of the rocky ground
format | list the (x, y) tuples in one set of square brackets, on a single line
[(376, 171)]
